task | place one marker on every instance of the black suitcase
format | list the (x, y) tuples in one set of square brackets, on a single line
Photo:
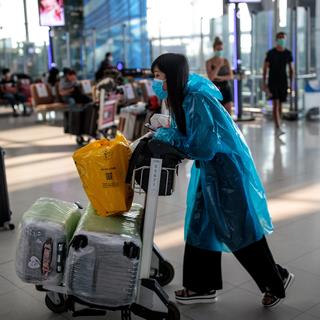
[(72, 121), (5, 212), (81, 120), (90, 120)]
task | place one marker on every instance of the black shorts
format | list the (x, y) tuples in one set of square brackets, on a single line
[(278, 92), (225, 90)]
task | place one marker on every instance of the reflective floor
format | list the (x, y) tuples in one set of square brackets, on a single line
[(39, 163)]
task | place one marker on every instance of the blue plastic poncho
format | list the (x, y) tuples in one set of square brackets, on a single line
[(226, 202)]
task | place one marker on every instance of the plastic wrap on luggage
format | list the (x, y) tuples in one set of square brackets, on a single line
[(45, 232), (103, 260)]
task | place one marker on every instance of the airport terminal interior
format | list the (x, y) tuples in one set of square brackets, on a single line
[(40, 133)]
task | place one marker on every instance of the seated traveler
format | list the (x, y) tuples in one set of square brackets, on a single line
[(9, 92), (70, 90)]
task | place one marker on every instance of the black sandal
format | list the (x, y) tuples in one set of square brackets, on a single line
[(185, 296), (269, 300)]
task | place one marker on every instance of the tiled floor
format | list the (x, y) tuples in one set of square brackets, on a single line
[(39, 163)]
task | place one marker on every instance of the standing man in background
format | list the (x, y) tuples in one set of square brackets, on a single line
[(276, 63)]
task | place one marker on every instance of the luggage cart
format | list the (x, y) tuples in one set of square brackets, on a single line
[(151, 302), (92, 121), (107, 126)]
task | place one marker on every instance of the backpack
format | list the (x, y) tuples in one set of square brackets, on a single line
[(141, 157)]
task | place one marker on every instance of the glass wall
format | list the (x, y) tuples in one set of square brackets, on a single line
[(67, 41), (185, 28), (137, 31), (118, 26), (257, 38), (15, 52), (23, 57)]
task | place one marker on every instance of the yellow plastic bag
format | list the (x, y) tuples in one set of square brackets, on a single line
[(102, 166)]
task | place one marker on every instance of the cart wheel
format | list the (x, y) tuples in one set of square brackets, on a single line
[(166, 273), (8, 226), (88, 140), (173, 312), (56, 302), (79, 140), (125, 314)]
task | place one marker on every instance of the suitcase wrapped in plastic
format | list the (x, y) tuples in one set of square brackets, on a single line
[(103, 260), (45, 232)]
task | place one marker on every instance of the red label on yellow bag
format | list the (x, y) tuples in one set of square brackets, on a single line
[(102, 166)]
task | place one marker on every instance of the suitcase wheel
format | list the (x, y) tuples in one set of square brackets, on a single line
[(165, 274), (8, 226), (80, 140), (56, 302)]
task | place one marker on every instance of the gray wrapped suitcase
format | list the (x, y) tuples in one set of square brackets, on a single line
[(103, 260), (45, 232)]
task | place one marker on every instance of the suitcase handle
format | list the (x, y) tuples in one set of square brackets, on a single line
[(131, 250), (79, 241), (78, 204)]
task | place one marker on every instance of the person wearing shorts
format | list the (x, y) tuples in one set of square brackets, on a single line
[(220, 73), (276, 62)]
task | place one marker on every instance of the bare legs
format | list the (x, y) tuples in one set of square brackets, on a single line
[(276, 113)]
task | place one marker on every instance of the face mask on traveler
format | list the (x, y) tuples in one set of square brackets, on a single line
[(281, 42), (218, 53), (157, 86)]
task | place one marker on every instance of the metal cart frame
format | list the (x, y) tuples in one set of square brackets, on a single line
[(151, 301)]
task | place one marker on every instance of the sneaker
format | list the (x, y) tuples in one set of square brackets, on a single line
[(269, 300), (186, 296), (287, 281)]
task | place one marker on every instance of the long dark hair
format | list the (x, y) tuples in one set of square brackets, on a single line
[(176, 68)]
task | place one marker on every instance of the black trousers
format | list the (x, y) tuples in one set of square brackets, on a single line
[(202, 268)]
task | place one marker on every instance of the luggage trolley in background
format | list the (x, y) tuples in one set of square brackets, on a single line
[(107, 116), (92, 120), (150, 300)]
